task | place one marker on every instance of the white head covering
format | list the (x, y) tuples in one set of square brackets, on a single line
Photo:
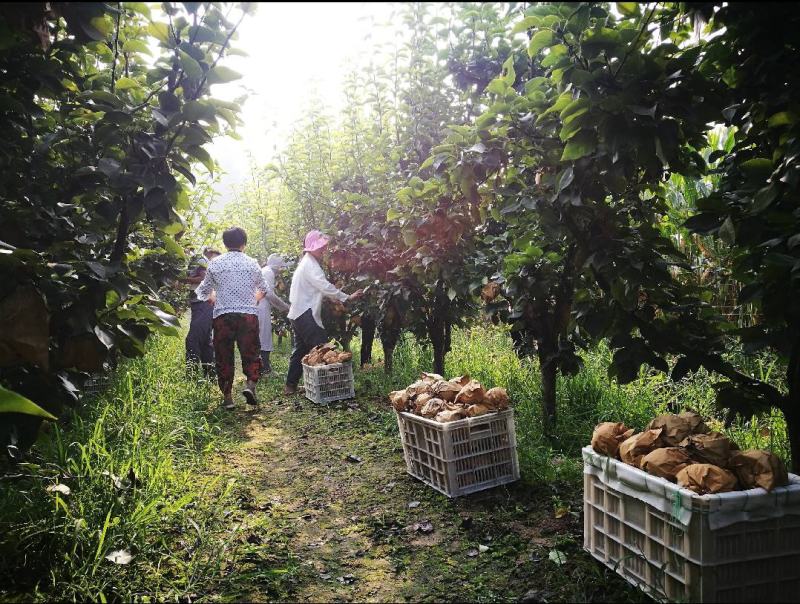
[(275, 261)]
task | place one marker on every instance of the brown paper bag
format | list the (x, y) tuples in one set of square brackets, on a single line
[(677, 427), (450, 416), (447, 391), (704, 478), (496, 398), (634, 448), (714, 448), (432, 408), (471, 394), (399, 399), (430, 378), (756, 468), (696, 423), (666, 462), (477, 410), (420, 401), (607, 437)]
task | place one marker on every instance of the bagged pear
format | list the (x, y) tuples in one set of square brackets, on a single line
[(471, 394), (704, 478), (450, 416), (432, 407), (345, 357), (675, 428), (713, 448), (755, 468), (399, 399), (447, 391), (608, 436), (666, 462), (635, 447), (431, 378), (496, 398), (477, 410), (461, 380), (420, 401)]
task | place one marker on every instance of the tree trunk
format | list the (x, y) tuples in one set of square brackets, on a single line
[(367, 338), (791, 410), (549, 371), (388, 352), (438, 328)]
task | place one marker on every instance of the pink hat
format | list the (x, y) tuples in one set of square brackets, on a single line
[(315, 241)]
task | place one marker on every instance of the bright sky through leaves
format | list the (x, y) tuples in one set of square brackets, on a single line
[(295, 50)]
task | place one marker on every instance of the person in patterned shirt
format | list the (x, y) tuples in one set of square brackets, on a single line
[(235, 283)]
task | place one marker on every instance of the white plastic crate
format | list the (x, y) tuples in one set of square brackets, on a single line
[(328, 383), (676, 545), (461, 457)]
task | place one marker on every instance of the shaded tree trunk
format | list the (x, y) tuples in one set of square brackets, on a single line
[(549, 371), (367, 338), (439, 328), (389, 340)]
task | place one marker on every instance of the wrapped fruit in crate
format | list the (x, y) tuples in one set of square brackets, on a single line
[(681, 512), (457, 437), (328, 374)]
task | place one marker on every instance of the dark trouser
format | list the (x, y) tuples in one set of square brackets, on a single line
[(266, 365), (198, 340), (236, 329), (307, 334)]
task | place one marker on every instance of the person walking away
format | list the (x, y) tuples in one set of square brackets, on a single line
[(199, 348), (274, 265), (235, 282), (309, 287)]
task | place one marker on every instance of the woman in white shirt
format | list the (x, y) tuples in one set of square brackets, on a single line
[(274, 264), (309, 287)]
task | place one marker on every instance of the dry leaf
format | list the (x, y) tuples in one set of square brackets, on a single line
[(59, 488)]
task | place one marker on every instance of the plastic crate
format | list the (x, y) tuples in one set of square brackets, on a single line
[(461, 457), (328, 383), (675, 545)]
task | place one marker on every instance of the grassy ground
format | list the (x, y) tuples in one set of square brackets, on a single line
[(275, 504)]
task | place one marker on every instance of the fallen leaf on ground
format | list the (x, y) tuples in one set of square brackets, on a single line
[(557, 556), (425, 527), (354, 459), (414, 504), (120, 556), (59, 488), (473, 553), (483, 548)]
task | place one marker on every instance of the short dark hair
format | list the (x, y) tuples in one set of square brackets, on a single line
[(234, 237), (211, 250)]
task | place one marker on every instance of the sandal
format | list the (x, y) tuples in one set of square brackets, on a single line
[(228, 405)]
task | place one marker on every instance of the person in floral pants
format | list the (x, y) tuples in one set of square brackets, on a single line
[(234, 281)]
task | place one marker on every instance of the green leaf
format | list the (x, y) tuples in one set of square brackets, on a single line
[(580, 145), (202, 155), (451, 293), (136, 46), (191, 67), (409, 237), (628, 9), (540, 40), (758, 167), (160, 31), (727, 232), (127, 83), (574, 109), (557, 557), (783, 118), (509, 73), (526, 24), (13, 402), (392, 215), (222, 74)]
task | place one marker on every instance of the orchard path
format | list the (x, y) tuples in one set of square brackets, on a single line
[(326, 512)]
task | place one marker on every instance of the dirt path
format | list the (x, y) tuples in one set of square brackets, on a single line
[(329, 514)]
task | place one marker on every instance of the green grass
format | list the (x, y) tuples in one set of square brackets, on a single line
[(133, 461), (145, 465)]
